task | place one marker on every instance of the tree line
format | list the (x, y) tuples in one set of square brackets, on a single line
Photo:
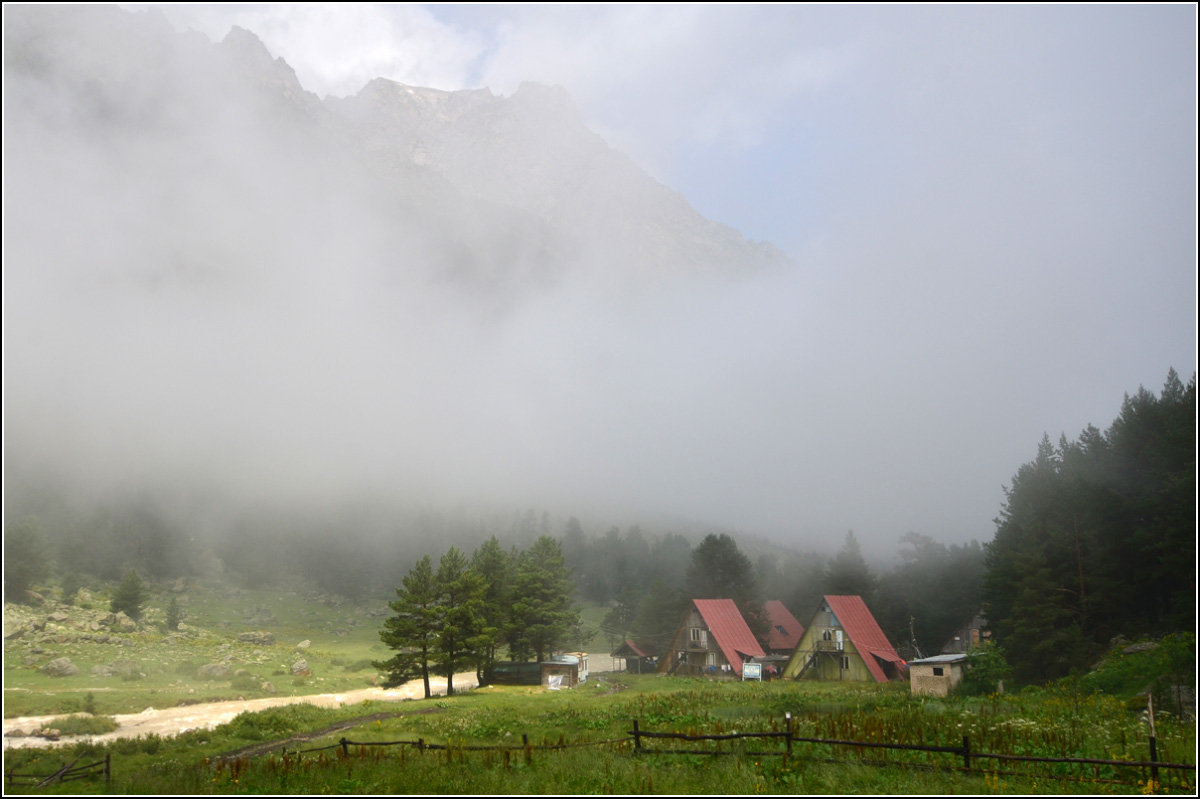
[(457, 616), (1097, 538)]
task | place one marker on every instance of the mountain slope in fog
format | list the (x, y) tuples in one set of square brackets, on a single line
[(216, 279)]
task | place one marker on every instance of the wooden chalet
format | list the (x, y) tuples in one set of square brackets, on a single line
[(713, 640), (844, 642)]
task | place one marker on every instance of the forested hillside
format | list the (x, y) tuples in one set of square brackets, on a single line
[(1097, 538)]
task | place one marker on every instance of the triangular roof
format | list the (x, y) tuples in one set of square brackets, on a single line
[(786, 632), (729, 630), (630, 649), (872, 645)]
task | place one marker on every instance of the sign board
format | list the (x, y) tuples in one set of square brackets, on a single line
[(752, 671)]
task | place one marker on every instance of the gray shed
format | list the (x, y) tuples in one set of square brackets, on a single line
[(936, 676)]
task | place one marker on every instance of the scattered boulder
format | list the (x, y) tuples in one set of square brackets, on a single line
[(258, 638), (305, 644), (58, 617), (60, 667), (214, 671), (125, 623), (268, 687), (300, 668), (128, 669), (102, 671)]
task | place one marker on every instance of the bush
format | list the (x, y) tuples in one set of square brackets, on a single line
[(986, 670), (130, 595), (85, 725)]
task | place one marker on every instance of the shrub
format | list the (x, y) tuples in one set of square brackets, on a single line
[(129, 596), (986, 670)]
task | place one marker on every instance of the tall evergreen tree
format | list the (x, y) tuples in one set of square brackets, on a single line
[(719, 570), (412, 631), (847, 573), (1097, 537), (462, 627), (129, 596), (495, 566), (541, 613), (25, 560)]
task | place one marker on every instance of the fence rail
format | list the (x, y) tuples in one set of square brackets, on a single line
[(637, 735), (68, 772)]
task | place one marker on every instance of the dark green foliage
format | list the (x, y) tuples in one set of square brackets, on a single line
[(929, 595), (1166, 668), (847, 574), (463, 631), (719, 570), (25, 560), (541, 613), (412, 631), (174, 614), (71, 583), (986, 670), (1097, 538), (495, 566), (129, 596)]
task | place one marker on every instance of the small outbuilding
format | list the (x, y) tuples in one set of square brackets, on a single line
[(634, 658), (565, 671), (938, 675)]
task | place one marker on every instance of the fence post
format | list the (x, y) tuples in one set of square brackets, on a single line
[(637, 737), (421, 744), (528, 748), (345, 747), (107, 769), (788, 718), (966, 752), (1153, 746)]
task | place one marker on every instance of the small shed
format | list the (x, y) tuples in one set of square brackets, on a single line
[(936, 676), (565, 671), (634, 658)]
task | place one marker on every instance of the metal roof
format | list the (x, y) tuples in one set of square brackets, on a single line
[(729, 629), (785, 630), (939, 659), (851, 612)]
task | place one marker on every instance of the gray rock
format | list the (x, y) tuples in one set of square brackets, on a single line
[(60, 667), (258, 638), (214, 671), (300, 668)]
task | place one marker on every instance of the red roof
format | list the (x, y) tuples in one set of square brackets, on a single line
[(631, 648), (785, 630), (852, 614), (729, 629)]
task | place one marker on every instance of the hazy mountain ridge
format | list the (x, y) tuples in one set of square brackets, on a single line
[(215, 278)]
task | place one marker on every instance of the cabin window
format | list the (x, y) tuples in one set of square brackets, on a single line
[(700, 636), (845, 662), (938, 671), (827, 635)]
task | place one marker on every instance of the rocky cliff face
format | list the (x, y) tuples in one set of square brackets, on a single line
[(495, 194)]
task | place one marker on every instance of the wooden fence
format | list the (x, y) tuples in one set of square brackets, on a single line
[(1152, 769), (68, 772)]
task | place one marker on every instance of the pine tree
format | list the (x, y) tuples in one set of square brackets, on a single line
[(462, 629), (541, 612), (412, 631), (129, 596)]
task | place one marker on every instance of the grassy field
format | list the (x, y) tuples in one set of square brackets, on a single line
[(592, 722)]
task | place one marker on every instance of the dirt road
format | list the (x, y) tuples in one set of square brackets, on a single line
[(176, 720)]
